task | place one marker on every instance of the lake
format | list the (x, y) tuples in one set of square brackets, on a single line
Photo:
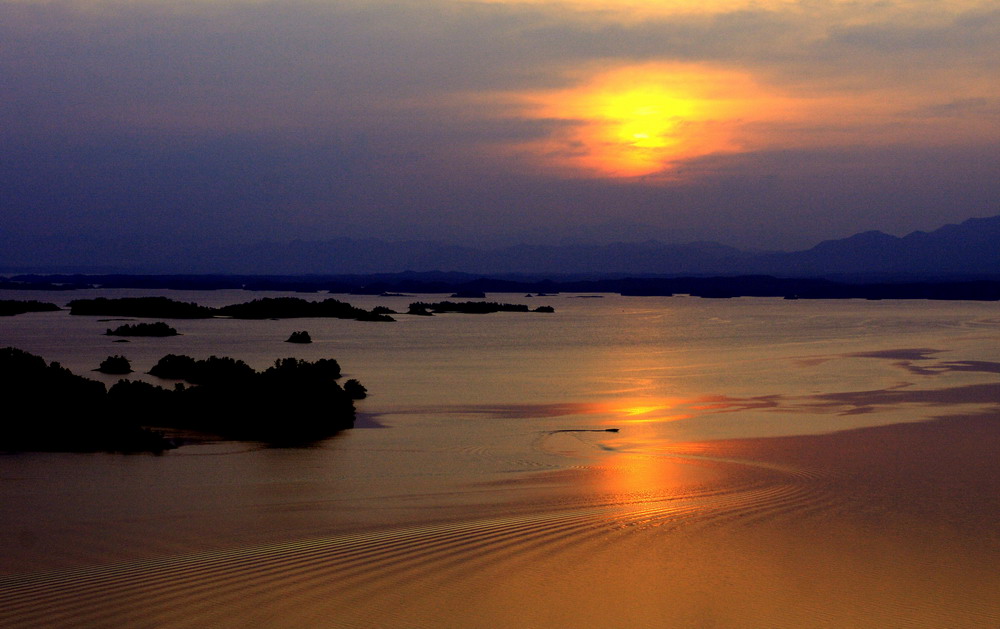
[(780, 463)]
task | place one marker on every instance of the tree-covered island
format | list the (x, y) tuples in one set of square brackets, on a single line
[(292, 402), (159, 307), (115, 365), (294, 307), (143, 329), (302, 336), (11, 307), (266, 308), (471, 307)]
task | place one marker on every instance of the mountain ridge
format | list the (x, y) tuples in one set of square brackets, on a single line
[(968, 249)]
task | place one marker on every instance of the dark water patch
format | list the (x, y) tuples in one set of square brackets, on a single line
[(906, 359), (975, 366), (897, 354), (584, 430), (988, 393)]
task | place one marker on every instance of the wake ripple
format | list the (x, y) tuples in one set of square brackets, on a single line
[(341, 572)]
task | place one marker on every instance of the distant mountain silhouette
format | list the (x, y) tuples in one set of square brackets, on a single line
[(967, 250), (349, 256)]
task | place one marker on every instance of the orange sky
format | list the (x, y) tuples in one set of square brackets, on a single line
[(645, 119), (623, 118), (760, 123)]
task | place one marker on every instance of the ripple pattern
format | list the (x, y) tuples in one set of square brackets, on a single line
[(390, 577)]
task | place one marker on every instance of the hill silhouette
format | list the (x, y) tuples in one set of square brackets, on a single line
[(960, 251)]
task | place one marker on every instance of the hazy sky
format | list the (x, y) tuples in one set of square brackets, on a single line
[(768, 124)]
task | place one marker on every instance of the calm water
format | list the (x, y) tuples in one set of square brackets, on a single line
[(479, 459)]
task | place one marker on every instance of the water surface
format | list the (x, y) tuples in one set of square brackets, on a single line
[(493, 495)]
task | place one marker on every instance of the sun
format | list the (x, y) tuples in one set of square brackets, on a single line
[(646, 119), (638, 129)]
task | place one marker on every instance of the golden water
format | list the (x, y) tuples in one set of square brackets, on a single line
[(491, 498)]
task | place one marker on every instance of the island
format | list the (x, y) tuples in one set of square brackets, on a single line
[(11, 307), (65, 412), (115, 365), (293, 402), (355, 389), (266, 308), (976, 286), (293, 307), (160, 307), (143, 329), (471, 307), (299, 337)]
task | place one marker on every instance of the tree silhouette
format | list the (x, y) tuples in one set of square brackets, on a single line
[(115, 365)]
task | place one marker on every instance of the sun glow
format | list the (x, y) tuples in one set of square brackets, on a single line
[(853, 10), (646, 119), (641, 9)]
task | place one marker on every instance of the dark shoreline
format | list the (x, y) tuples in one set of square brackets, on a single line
[(431, 283)]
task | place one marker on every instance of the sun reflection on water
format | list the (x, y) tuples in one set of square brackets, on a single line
[(645, 411)]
